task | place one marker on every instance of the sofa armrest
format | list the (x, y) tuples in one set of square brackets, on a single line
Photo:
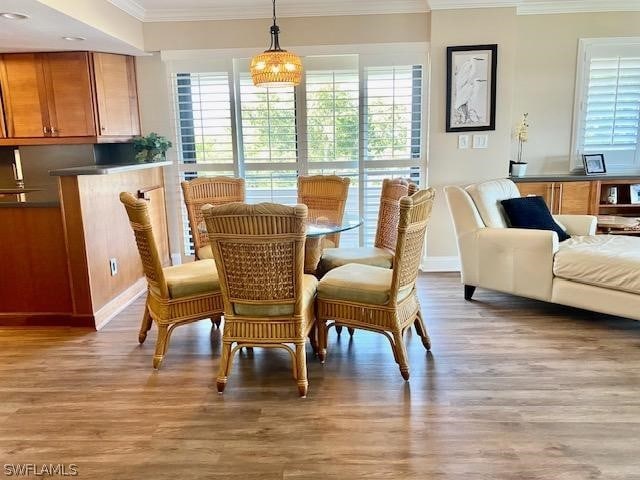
[(578, 224), (516, 260)]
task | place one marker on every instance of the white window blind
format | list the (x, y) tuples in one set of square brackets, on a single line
[(363, 122), (612, 110)]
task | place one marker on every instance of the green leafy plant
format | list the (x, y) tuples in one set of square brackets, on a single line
[(151, 147)]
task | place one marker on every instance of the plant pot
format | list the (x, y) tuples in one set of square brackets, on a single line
[(518, 169)]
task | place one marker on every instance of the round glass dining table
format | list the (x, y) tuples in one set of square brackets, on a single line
[(316, 231)]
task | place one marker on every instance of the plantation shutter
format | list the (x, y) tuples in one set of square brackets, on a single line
[(204, 129), (391, 129), (268, 142)]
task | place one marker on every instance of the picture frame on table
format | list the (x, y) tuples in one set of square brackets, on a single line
[(471, 88), (594, 163), (634, 191)]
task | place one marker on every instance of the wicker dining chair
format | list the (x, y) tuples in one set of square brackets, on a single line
[(379, 299), (176, 295), (268, 301), (208, 191), (326, 197), (381, 254)]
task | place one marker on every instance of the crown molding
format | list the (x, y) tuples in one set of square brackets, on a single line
[(131, 7), (260, 9), (540, 7), (458, 4)]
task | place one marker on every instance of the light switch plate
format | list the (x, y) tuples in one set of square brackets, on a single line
[(480, 141), (463, 142)]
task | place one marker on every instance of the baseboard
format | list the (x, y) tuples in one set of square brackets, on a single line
[(45, 319), (119, 303), (441, 264)]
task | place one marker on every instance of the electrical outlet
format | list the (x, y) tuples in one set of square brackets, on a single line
[(463, 142), (113, 266)]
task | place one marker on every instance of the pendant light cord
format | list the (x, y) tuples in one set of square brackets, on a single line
[(275, 30), (274, 13)]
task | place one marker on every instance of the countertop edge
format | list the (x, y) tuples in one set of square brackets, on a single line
[(573, 178), (106, 169)]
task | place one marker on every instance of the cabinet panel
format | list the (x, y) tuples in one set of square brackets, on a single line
[(24, 96), (116, 94), (69, 94), (3, 127), (576, 198), (542, 189)]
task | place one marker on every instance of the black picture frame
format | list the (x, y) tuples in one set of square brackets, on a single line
[(469, 85), (591, 168)]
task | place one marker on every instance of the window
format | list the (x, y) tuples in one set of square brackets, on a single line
[(363, 122), (609, 103)]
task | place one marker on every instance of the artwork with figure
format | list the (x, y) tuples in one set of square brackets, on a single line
[(471, 88)]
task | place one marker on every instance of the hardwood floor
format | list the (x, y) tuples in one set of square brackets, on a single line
[(514, 389)]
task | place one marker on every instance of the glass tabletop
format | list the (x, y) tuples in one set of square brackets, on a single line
[(318, 228)]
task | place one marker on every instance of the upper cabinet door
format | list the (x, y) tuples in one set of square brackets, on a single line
[(3, 127), (116, 94), (23, 88), (69, 94)]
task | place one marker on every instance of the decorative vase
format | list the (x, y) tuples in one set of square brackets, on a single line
[(518, 169)]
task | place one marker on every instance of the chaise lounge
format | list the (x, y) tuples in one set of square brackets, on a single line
[(594, 272)]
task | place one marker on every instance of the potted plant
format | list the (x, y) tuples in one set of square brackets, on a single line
[(518, 167), (151, 148)]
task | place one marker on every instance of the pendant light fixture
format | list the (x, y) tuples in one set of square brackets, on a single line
[(276, 67)]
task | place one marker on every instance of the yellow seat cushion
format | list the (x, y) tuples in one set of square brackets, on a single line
[(192, 278), (309, 286), (205, 253), (360, 284), (336, 257)]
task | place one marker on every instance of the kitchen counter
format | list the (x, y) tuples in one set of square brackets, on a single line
[(572, 177), (106, 169)]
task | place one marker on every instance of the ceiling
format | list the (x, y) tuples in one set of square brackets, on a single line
[(172, 10), (45, 27)]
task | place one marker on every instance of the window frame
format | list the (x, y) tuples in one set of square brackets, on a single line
[(586, 47)]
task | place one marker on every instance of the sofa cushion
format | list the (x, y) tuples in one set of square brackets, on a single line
[(360, 284), (531, 213), (487, 197), (336, 257), (608, 261), (192, 279), (309, 286)]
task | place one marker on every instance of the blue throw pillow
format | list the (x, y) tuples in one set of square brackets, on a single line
[(531, 212)]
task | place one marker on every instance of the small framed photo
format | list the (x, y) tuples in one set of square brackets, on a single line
[(594, 163), (635, 194)]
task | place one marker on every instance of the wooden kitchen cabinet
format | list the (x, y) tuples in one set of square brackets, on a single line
[(3, 127), (539, 189), (116, 94), (568, 198), (68, 97)]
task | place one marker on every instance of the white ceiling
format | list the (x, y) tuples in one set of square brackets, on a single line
[(171, 10), (45, 27)]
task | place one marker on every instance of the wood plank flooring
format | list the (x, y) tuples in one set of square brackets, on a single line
[(514, 389)]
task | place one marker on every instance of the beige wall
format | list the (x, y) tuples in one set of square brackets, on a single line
[(545, 78), (294, 31), (448, 165), (104, 16)]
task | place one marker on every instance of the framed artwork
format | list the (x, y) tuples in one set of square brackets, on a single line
[(635, 194), (594, 163), (471, 88)]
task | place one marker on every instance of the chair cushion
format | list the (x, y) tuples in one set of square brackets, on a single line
[(336, 257), (205, 253), (360, 284), (487, 197), (608, 261), (309, 286), (192, 279), (532, 213)]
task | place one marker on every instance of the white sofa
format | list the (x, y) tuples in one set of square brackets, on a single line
[(594, 272)]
